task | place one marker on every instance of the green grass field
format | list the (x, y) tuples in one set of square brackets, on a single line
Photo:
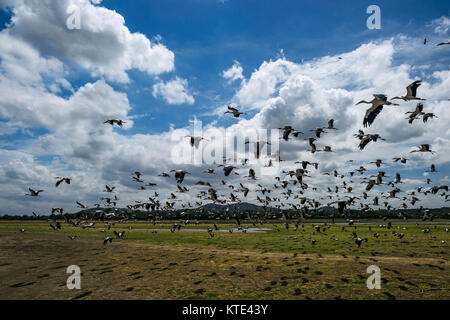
[(188, 264)]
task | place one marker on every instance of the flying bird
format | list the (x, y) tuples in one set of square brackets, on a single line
[(80, 205), (235, 112), (377, 106), (424, 148), (367, 138), (195, 141), (119, 235), (326, 149), (251, 174), (401, 159), (414, 114), (331, 125), (115, 121), (179, 175), (426, 116), (227, 169), (34, 193), (109, 189), (411, 92), (318, 132), (60, 180), (287, 130)]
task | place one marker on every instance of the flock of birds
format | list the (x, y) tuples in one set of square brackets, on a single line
[(288, 191)]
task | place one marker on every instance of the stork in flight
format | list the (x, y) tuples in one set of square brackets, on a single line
[(378, 162), (424, 148), (325, 149), (115, 121), (179, 175), (318, 131), (367, 138), (377, 106), (235, 112), (414, 114), (436, 189), (287, 130), (251, 174), (109, 189), (425, 116), (80, 205), (401, 159), (432, 168), (227, 169), (195, 141), (411, 92), (330, 125), (60, 180), (33, 193)]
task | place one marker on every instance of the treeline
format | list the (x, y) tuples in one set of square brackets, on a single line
[(195, 214)]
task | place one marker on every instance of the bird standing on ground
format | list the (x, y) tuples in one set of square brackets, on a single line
[(107, 239)]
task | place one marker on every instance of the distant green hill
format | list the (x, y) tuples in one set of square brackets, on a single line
[(218, 211)]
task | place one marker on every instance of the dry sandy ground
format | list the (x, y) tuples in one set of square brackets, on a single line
[(33, 266)]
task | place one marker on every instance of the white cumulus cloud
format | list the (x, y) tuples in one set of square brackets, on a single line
[(173, 91), (103, 45)]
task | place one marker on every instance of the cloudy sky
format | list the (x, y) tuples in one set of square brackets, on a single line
[(165, 66)]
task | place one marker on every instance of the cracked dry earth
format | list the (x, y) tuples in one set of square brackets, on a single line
[(33, 266)]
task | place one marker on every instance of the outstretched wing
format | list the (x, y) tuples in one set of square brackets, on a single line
[(364, 142), (197, 142), (419, 108), (382, 97), (371, 114), (412, 88)]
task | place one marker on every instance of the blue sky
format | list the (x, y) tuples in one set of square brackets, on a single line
[(206, 37)]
